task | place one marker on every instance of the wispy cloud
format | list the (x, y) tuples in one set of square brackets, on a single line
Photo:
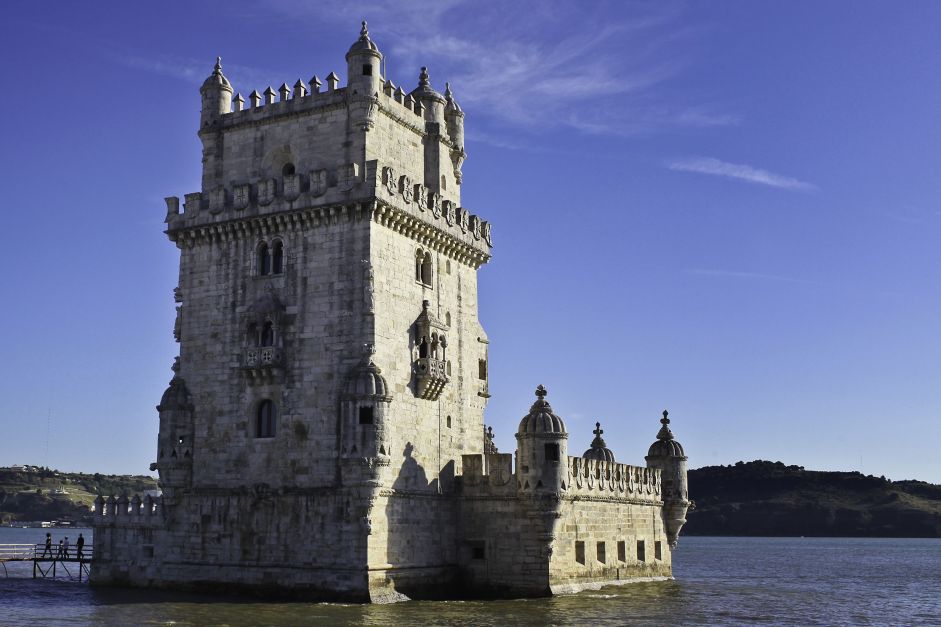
[(192, 70), (750, 275), (742, 172), (536, 65)]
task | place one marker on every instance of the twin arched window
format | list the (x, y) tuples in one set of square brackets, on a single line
[(263, 339), (265, 419), (270, 258), (423, 268)]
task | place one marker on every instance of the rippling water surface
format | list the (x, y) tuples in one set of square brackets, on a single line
[(733, 581)]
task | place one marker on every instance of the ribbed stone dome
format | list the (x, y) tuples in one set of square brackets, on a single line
[(665, 446), (176, 396), (425, 91), (363, 44), (367, 381), (599, 450), (540, 418), (217, 79)]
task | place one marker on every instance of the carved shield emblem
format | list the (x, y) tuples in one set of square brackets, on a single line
[(388, 178), (435, 204), (318, 182), (447, 208), (405, 187)]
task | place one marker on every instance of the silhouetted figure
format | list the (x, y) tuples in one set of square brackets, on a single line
[(61, 552), (66, 547), (48, 551), (79, 545)]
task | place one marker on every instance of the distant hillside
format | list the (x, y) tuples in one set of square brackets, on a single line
[(770, 499), (37, 493)]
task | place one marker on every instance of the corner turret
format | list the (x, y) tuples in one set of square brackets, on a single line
[(432, 102), (216, 95), (363, 65), (454, 117), (542, 449), (175, 441), (667, 454)]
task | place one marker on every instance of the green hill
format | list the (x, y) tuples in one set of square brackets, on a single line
[(763, 498), (45, 494)]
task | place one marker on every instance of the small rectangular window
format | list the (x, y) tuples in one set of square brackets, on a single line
[(640, 551), (657, 551), (367, 69), (482, 369), (478, 551), (601, 555), (365, 415), (579, 551), (552, 452), (622, 551)]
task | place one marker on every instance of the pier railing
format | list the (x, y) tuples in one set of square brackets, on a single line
[(51, 562)]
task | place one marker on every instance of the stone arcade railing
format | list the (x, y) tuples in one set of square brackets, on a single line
[(594, 478), (585, 478), (124, 510)]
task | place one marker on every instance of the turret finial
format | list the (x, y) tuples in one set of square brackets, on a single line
[(364, 32), (598, 430), (541, 392), (665, 433), (447, 91), (218, 66), (423, 77)]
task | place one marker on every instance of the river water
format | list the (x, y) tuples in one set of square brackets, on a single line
[(719, 581)]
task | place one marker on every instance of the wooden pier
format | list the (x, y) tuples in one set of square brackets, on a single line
[(49, 563)]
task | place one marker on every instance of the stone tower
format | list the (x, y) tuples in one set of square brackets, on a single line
[(332, 367)]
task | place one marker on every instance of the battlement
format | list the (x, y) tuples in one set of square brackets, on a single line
[(407, 206), (147, 510), (493, 474), (596, 478)]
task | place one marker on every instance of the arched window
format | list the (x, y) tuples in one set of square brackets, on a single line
[(288, 169), (423, 348), (267, 334), (444, 182), (434, 345), (447, 318), (277, 258), (265, 419), (426, 269), (419, 256), (264, 259)]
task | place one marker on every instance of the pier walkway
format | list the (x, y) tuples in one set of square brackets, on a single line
[(48, 563)]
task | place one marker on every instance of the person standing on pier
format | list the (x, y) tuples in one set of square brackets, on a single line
[(48, 551), (79, 545), (66, 546), (61, 551)]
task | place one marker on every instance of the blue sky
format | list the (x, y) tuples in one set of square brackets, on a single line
[(728, 210)]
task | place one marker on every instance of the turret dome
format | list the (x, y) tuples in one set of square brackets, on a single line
[(451, 105), (217, 79), (540, 418), (665, 446), (599, 450), (425, 91), (366, 380), (177, 395), (363, 45)]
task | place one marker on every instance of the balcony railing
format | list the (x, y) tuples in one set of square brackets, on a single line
[(264, 357)]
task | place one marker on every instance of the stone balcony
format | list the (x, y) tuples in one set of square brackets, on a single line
[(431, 375), (263, 364)]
